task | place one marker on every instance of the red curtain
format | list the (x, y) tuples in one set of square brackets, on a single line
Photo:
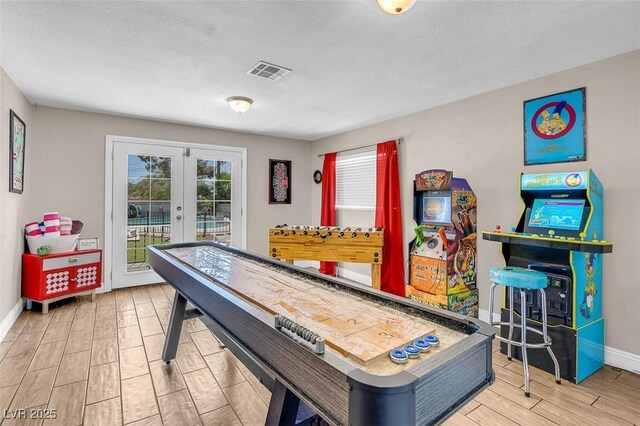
[(389, 218), (328, 208)]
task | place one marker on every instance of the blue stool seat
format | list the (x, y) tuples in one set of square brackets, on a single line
[(512, 276)]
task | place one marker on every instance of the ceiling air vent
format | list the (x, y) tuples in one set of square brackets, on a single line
[(269, 71)]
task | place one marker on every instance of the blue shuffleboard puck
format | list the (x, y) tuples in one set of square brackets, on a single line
[(412, 351), (431, 339), (398, 356), (422, 344)]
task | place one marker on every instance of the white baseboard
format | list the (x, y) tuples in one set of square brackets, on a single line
[(612, 356), (621, 359), (307, 263), (483, 315), (11, 317)]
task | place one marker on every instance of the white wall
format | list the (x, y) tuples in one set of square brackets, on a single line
[(481, 139), (12, 206), (68, 157)]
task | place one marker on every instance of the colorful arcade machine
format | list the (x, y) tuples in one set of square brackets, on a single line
[(560, 233), (443, 255)]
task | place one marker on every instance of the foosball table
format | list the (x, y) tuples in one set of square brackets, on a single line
[(334, 346), (329, 244)]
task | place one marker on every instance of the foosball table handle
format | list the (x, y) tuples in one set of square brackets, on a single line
[(300, 331)]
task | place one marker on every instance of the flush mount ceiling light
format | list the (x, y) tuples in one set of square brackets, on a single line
[(239, 103), (395, 7)]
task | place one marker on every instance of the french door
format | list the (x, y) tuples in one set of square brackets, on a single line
[(170, 194)]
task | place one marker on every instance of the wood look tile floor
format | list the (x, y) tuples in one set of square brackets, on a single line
[(98, 363)]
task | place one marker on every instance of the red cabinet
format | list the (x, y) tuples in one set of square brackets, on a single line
[(46, 279)]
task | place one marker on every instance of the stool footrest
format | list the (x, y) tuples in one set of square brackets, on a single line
[(516, 325), (528, 345)]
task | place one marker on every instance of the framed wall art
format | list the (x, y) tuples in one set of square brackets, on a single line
[(555, 128), (88, 243), (279, 182), (17, 139)]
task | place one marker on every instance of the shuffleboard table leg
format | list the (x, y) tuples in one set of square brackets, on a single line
[(175, 327), (283, 407)]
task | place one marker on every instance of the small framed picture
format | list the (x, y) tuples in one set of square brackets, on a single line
[(279, 182), (17, 139), (88, 243)]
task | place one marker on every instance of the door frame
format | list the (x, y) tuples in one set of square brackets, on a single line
[(110, 140)]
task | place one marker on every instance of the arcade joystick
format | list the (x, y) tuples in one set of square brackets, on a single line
[(419, 235), (582, 235), (551, 233), (497, 228), (443, 238), (513, 230)]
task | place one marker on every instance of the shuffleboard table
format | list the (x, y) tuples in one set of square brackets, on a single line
[(316, 339)]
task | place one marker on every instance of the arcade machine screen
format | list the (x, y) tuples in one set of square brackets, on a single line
[(436, 209), (557, 214)]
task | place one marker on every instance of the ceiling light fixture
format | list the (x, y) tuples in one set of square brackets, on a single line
[(395, 7), (239, 103)]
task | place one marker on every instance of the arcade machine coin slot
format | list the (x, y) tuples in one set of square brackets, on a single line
[(558, 294)]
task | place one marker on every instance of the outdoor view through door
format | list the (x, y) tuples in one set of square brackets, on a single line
[(213, 216), (164, 193), (149, 204)]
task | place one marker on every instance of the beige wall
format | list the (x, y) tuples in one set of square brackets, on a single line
[(13, 207), (69, 166), (480, 139)]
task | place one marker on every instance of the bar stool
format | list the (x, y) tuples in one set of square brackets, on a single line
[(522, 279)]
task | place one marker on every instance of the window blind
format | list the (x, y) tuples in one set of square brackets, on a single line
[(356, 180)]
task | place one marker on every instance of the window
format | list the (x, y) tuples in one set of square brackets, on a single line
[(356, 180)]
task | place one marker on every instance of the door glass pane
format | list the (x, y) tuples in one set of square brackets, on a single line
[(148, 207), (213, 208)]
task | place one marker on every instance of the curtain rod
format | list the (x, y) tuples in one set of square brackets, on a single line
[(399, 140)]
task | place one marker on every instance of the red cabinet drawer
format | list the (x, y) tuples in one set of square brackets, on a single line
[(52, 276)]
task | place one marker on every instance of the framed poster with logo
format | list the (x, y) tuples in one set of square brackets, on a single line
[(555, 128), (279, 182)]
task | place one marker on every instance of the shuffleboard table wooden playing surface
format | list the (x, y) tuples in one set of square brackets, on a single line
[(317, 339)]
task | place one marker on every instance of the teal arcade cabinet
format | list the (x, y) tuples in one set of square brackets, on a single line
[(560, 233)]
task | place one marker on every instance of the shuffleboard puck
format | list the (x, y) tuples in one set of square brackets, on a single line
[(398, 356), (412, 351), (431, 339), (422, 344)]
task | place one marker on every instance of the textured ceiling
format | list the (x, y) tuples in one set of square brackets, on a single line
[(353, 65)]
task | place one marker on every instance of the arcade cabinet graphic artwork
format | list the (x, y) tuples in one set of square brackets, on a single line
[(443, 255), (560, 233)]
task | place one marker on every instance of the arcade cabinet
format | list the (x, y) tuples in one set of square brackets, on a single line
[(443, 255), (560, 233)]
